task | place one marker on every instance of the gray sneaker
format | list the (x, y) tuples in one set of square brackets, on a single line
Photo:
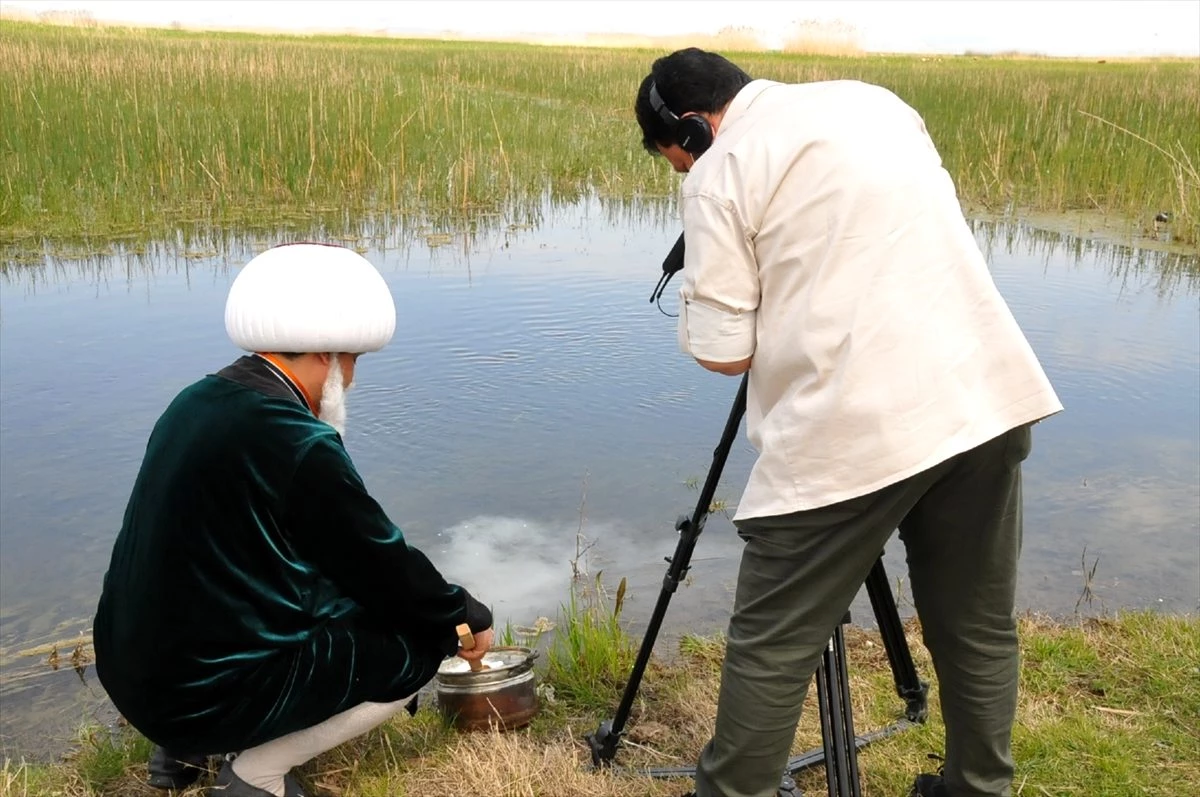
[(228, 784)]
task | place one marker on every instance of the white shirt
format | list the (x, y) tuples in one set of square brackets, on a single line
[(825, 239)]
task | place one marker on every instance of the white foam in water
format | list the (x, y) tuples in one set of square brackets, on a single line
[(520, 568)]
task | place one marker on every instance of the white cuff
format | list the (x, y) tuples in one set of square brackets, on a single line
[(715, 335)]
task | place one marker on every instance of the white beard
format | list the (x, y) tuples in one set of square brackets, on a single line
[(333, 397)]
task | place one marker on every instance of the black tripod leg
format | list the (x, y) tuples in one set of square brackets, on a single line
[(848, 737), (911, 689), (833, 701), (607, 737), (827, 722)]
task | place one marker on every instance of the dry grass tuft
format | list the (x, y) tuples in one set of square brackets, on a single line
[(509, 764)]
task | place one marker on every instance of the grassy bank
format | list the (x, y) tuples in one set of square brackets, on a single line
[(1108, 706), (117, 133)]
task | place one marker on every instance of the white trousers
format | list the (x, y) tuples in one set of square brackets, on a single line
[(266, 765)]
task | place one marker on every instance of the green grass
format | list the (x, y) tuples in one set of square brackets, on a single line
[(114, 133), (1108, 705), (106, 757), (591, 655)]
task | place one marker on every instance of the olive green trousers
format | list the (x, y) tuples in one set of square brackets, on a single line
[(960, 523)]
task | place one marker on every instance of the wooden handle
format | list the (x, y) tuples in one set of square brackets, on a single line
[(467, 640)]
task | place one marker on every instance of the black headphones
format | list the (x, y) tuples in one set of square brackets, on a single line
[(693, 133)]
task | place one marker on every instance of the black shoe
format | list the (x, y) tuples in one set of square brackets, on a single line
[(929, 786), (173, 771), (229, 784)]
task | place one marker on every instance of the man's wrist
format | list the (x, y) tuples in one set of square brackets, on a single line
[(479, 616)]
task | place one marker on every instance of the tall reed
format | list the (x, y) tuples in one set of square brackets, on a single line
[(119, 132)]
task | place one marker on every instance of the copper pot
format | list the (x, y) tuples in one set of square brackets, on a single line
[(503, 694)]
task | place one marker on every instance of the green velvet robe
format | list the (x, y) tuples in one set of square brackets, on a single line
[(255, 587)]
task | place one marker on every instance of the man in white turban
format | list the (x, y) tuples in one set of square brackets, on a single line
[(259, 603)]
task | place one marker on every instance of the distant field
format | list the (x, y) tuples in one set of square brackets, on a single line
[(118, 133)]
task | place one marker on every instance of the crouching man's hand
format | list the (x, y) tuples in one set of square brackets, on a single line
[(483, 642)]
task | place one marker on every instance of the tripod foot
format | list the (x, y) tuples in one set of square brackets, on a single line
[(603, 744), (788, 788), (916, 703)]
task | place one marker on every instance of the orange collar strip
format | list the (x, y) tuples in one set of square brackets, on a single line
[(278, 363)]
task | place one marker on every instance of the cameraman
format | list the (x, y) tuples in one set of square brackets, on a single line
[(891, 388)]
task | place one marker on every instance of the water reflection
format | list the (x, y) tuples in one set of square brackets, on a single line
[(1165, 272), (532, 394), (457, 241), (453, 231)]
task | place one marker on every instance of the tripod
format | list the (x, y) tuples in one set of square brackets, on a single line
[(840, 745)]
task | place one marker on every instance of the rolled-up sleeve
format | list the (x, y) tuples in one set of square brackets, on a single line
[(718, 300)]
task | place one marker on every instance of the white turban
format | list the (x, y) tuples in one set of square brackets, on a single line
[(310, 297)]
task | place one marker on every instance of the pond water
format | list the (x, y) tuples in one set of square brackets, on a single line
[(532, 393)]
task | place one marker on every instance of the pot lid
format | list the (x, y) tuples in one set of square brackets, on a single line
[(495, 659)]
